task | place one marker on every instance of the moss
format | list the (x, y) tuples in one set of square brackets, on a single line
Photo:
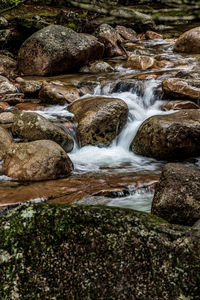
[(74, 252)]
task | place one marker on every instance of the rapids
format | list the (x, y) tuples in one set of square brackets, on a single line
[(142, 104)]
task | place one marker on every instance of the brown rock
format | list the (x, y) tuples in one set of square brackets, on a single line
[(52, 93), (30, 88), (179, 104), (177, 194), (97, 67), (169, 137), (111, 40), (151, 35), (4, 106), (5, 141), (29, 106), (6, 87), (189, 42), (31, 126), (140, 62), (35, 161), (99, 119), (181, 88), (126, 33), (6, 117), (56, 49), (7, 65)]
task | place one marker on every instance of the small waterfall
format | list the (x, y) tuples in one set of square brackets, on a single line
[(117, 155)]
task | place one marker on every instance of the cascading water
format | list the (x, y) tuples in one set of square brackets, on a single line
[(117, 156)]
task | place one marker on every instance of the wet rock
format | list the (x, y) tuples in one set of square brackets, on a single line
[(12, 99), (6, 87), (75, 188), (185, 75), (99, 119), (29, 106), (181, 88), (7, 65), (31, 126), (97, 67), (111, 40), (95, 246), (4, 106), (169, 137), (5, 141), (30, 88), (6, 117), (151, 35), (126, 33), (189, 42), (52, 93), (177, 194), (140, 62), (129, 85), (179, 104), (56, 49), (38, 160)]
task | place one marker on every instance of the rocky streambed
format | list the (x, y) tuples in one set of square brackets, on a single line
[(104, 119)]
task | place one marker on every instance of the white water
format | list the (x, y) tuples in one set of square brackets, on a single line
[(117, 155)]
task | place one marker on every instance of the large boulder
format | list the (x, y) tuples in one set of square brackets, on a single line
[(61, 252), (179, 88), (111, 39), (35, 161), (189, 42), (169, 137), (100, 119), (56, 49), (177, 195), (53, 93), (30, 126)]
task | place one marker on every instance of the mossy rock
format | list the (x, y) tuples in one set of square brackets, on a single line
[(75, 252)]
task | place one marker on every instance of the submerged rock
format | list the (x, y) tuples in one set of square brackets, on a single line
[(56, 49), (96, 253), (169, 137), (100, 119), (31, 126), (52, 93), (189, 42), (181, 88), (35, 161), (177, 195)]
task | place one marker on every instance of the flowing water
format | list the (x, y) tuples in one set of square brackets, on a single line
[(142, 104)]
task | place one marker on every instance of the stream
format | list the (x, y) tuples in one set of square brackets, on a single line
[(116, 161)]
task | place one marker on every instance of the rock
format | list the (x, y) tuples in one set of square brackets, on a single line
[(4, 106), (181, 88), (12, 99), (177, 194), (97, 67), (99, 119), (179, 104), (140, 62), (6, 117), (126, 33), (94, 246), (31, 126), (29, 106), (56, 49), (6, 87), (5, 141), (30, 88), (169, 137), (35, 161), (3, 22), (151, 35), (52, 93), (111, 40), (7, 65), (189, 42)]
